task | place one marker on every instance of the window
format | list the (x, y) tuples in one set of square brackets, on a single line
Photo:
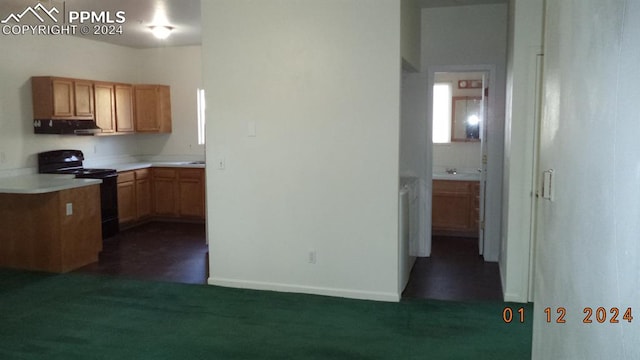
[(442, 112), (201, 118)]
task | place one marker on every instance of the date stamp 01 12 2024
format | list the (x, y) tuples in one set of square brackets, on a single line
[(557, 315)]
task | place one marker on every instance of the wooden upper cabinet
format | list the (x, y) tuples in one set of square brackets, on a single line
[(124, 108), (105, 107), (63, 101), (152, 108), (116, 108), (62, 98), (83, 97)]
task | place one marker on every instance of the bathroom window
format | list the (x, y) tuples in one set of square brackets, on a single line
[(201, 119), (442, 112)]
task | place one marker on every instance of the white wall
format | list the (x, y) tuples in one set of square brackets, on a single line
[(26, 56), (181, 68), (475, 35), (587, 254), (522, 110), (321, 81)]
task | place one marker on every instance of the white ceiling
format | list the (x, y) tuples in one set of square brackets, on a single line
[(182, 15)]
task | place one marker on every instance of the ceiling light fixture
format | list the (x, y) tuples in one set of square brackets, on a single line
[(161, 32)]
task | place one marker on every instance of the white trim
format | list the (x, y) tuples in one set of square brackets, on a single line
[(516, 298), (268, 286)]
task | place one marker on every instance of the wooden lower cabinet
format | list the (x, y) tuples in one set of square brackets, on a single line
[(38, 232), (126, 197), (134, 195), (143, 193), (191, 193), (455, 209), (166, 193), (179, 192)]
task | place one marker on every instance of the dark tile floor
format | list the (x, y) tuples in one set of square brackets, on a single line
[(174, 252), (454, 271), (177, 252)]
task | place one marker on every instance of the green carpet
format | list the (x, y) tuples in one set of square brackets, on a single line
[(76, 316)]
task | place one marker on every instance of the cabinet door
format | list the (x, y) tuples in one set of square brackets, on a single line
[(165, 194), (105, 109), (83, 93), (63, 103), (147, 108), (450, 211), (124, 108), (126, 201), (164, 98), (143, 193), (191, 193)]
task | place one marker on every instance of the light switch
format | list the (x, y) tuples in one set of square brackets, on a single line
[(251, 128), (69, 209), (221, 163)]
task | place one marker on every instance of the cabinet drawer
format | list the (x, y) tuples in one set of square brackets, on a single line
[(164, 173), (451, 186), (126, 176), (142, 174), (191, 174)]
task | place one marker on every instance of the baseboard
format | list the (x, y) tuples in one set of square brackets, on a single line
[(343, 293), (149, 219), (516, 298)]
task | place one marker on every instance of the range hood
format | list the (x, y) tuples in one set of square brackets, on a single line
[(66, 127)]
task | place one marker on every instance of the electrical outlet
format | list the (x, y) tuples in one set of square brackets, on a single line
[(312, 257), (69, 209)]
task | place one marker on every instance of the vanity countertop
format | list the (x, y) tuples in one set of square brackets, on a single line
[(461, 176)]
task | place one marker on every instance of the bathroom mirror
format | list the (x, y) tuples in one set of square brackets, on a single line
[(466, 117)]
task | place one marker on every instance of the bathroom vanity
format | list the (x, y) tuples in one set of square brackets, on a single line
[(456, 205)]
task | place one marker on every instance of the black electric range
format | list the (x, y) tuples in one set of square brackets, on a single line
[(71, 162)]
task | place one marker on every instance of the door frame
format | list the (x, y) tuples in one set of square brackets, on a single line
[(492, 221)]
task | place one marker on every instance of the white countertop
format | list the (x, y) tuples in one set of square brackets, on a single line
[(42, 183), (461, 176), (143, 165)]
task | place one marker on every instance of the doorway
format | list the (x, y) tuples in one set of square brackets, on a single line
[(465, 269), (458, 149), (489, 153)]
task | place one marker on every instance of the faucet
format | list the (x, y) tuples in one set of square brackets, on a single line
[(452, 171)]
